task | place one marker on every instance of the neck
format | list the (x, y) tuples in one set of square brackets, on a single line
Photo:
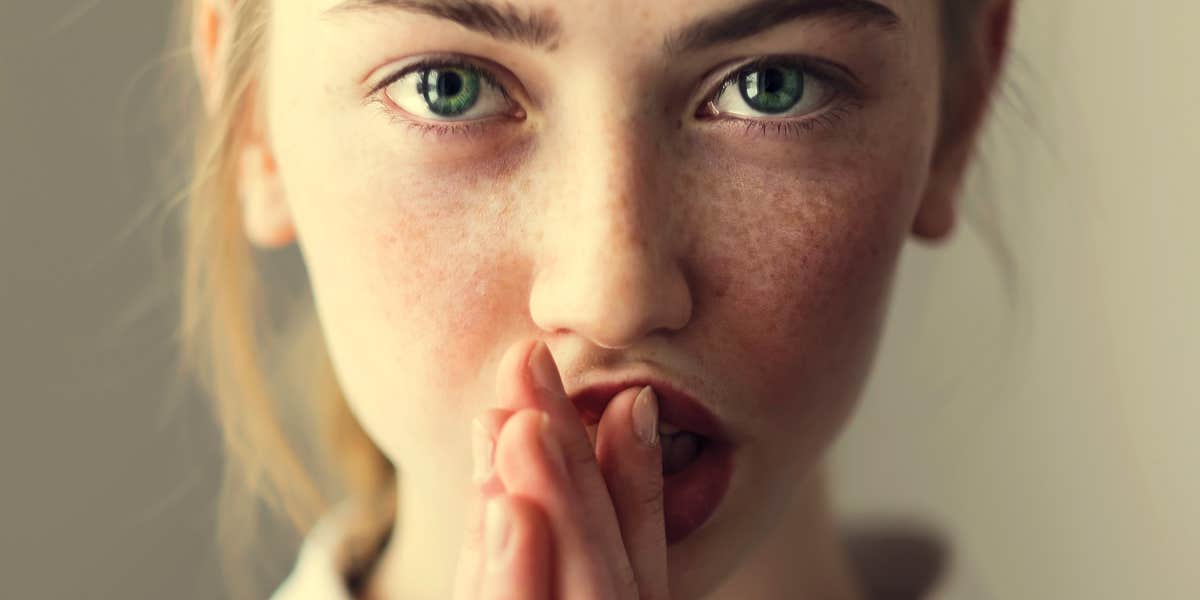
[(802, 557), (420, 558)]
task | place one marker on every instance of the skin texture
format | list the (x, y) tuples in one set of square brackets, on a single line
[(751, 267)]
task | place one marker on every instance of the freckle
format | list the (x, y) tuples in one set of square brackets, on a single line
[(524, 185)]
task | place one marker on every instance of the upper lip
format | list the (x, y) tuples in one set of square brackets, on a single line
[(675, 405)]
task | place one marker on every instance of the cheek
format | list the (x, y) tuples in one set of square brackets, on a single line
[(797, 270), (405, 269), (406, 263), (444, 283)]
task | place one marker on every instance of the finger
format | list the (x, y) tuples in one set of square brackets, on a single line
[(485, 428), (589, 559), (528, 377), (632, 468), (517, 381), (517, 389), (518, 551)]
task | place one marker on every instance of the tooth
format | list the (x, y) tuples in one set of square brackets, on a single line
[(678, 451)]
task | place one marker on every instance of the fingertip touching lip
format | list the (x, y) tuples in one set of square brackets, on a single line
[(675, 406)]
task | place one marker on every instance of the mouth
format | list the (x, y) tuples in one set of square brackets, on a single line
[(697, 451)]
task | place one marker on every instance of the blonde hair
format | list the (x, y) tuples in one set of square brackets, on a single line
[(225, 346)]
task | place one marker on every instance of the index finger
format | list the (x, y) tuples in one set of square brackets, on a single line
[(517, 388), (518, 391)]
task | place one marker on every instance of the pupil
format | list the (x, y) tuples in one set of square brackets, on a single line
[(449, 84), (772, 81)]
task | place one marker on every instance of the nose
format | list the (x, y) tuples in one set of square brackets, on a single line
[(610, 254)]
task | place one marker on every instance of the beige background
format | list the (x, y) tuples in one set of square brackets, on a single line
[(1055, 439), (1059, 444)]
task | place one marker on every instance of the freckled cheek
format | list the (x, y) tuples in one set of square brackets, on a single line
[(441, 281), (813, 283)]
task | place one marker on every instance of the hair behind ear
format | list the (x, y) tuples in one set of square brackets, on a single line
[(255, 376)]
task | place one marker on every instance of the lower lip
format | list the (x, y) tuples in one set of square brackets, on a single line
[(692, 495)]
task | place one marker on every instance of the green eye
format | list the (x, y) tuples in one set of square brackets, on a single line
[(449, 92), (772, 89)]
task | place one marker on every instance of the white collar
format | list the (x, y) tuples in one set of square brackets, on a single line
[(320, 569)]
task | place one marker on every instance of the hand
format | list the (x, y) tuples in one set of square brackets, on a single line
[(553, 520)]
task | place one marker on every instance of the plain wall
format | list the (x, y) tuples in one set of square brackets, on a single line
[(1055, 439), (1058, 441)]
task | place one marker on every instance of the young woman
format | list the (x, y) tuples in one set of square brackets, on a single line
[(594, 284)]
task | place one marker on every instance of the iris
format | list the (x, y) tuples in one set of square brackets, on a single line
[(772, 90), (449, 92)]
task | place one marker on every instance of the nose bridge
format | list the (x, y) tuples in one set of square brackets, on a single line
[(615, 189), (611, 272)]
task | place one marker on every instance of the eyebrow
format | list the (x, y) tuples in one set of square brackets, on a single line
[(543, 28), (503, 22), (763, 15)]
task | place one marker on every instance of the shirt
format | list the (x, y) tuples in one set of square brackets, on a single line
[(894, 560)]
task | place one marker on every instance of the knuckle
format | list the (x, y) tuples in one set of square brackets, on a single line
[(520, 444), (494, 419), (652, 499), (579, 458), (626, 580), (519, 434), (528, 519)]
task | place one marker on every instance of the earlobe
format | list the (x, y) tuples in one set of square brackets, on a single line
[(936, 217), (937, 214), (266, 216)]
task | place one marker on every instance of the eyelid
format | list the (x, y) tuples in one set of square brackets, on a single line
[(843, 79), (494, 74)]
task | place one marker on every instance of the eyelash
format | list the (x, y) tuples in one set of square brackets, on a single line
[(466, 129), (846, 99), (792, 127)]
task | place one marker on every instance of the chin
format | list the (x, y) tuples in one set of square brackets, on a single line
[(698, 564)]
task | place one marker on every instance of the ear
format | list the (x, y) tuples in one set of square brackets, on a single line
[(211, 28), (266, 216), (968, 99)]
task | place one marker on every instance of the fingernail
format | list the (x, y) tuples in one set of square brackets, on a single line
[(545, 373), (497, 523), (553, 449), (645, 416), (482, 447)]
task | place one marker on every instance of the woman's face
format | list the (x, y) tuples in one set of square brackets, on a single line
[(578, 171)]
